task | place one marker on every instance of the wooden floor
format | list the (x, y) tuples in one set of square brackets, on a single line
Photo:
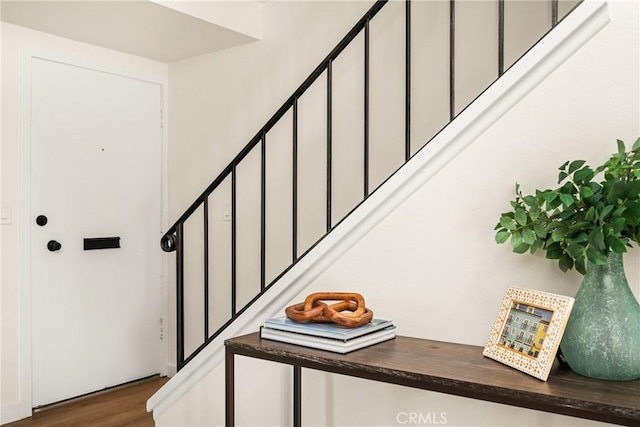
[(124, 406)]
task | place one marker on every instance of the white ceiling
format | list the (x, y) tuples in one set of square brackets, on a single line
[(143, 28)]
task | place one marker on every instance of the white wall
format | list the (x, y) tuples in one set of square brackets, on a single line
[(436, 252), (16, 42)]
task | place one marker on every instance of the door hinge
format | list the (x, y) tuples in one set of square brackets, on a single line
[(161, 118)]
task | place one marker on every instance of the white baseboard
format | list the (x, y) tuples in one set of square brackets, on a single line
[(14, 412), (170, 370)]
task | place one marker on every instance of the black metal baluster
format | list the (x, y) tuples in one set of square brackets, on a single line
[(407, 79), (554, 13), (180, 296), (297, 396), (452, 63), (366, 109), (206, 268), (234, 242), (263, 210), (329, 151), (500, 37), (294, 184)]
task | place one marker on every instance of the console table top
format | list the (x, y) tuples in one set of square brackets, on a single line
[(461, 370)]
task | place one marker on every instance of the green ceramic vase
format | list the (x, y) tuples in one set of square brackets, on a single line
[(602, 337)]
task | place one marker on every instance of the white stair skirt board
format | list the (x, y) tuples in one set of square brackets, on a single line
[(571, 34)]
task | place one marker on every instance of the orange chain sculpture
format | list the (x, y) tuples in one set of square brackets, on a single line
[(350, 311)]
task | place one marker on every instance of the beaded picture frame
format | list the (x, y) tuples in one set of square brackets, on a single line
[(528, 329)]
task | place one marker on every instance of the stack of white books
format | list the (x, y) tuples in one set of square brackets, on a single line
[(328, 336)]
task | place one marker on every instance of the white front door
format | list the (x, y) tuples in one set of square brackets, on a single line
[(96, 200)]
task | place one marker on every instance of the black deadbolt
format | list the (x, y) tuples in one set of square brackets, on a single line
[(53, 246), (41, 220)]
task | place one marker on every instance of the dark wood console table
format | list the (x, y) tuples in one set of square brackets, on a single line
[(447, 368)]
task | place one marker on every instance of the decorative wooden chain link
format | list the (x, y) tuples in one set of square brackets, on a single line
[(350, 311)]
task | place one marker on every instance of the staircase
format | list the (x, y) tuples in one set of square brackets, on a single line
[(200, 342)]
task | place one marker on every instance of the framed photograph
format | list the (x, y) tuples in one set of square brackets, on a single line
[(528, 329)]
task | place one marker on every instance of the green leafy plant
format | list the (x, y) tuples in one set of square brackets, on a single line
[(592, 213)]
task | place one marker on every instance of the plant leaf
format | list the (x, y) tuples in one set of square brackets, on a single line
[(549, 196), (616, 244), (580, 265), (618, 225), (521, 216), (618, 212), (554, 204), (633, 190), (595, 187), (536, 245), (605, 212), (584, 175), (581, 237), (502, 236), (534, 213), (636, 145), (586, 192), (562, 176), (508, 223), (565, 263), (617, 192), (558, 234), (596, 238), (553, 254), (540, 230), (575, 165), (520, 249), (621, 147), (516, 239), (567, 199), (575, 250), (528, 236), (596, 256)]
